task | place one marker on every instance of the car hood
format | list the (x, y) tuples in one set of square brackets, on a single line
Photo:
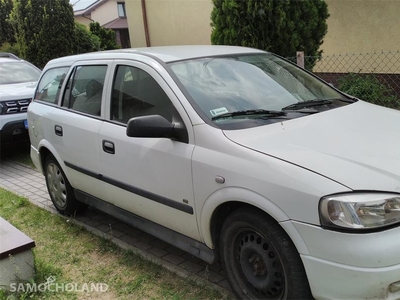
[(17, 91), (357, 145)]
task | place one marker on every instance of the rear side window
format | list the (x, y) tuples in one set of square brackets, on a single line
[(85, 89), (50, 85)]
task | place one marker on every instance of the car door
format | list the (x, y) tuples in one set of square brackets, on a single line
[(150, 177), (77, 125)]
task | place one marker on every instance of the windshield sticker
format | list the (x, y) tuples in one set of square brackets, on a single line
[(218, 111)]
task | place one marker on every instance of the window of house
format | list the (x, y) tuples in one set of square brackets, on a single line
[(135, 93), (121, 10), (50, 85), (85, 89)]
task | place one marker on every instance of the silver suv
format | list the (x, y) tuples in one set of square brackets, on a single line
[(18, 80)]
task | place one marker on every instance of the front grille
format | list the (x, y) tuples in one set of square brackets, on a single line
[(13, 107)]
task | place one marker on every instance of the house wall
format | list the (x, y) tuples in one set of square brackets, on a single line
[(82, 20), (354, 26), (362, 37), (103, 14), (170, 22), (360, 26), (106, 12)]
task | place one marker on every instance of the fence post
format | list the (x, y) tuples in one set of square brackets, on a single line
[(300, 58)]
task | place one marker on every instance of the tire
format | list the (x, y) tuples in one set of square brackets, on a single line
[(59, 188), (259, 259)]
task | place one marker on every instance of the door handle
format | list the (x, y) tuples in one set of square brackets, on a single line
[(108, 147), (58, 130)]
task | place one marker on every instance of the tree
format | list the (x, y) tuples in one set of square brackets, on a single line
[(6, 29), (85, 41), (44, 29), (282, 27), (107, 36)]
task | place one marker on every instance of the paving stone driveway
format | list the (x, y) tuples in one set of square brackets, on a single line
[(29, 183)]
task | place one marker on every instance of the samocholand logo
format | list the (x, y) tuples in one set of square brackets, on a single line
[(52, 286)]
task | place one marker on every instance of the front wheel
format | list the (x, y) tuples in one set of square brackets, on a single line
[(60, 190), (260, 260)]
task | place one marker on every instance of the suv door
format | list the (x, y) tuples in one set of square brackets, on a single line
[(77, 124), (150, 177)]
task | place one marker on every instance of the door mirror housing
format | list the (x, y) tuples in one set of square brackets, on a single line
[(153, 126)]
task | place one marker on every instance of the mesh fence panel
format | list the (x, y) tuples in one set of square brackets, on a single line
[(373, 77)]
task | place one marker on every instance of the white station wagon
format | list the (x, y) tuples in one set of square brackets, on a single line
[(230, 154)]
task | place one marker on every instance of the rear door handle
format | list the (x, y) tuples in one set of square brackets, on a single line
[(58, 130), (108, 147)]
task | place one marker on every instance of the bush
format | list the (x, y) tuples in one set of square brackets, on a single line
[(367, 87), (282, 27), (6, 30), (85, 41), (106, 36), (7, 47), (44, 29)]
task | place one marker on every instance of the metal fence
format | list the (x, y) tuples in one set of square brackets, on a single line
[(374, 77)]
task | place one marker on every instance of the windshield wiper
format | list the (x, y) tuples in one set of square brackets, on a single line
[(250, 112), (309, 103)]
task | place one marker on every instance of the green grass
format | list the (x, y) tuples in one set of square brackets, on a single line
[(73, 255)]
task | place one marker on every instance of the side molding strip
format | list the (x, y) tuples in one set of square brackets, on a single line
[(157, 198), (180, 241)]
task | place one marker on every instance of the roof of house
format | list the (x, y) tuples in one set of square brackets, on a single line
[(82, 7), (118, 23)]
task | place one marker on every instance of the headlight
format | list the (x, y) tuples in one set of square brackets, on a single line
[(360, 211)]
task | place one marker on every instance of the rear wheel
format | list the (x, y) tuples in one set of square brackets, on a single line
[(260, 260), (60, 190)]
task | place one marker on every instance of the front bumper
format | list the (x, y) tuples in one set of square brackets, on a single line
[(337, 281), (351, 265)]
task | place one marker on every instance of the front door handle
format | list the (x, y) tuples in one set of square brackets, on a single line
[(108, 147), (58, 130)]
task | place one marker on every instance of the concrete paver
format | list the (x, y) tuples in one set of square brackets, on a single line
[(29, 183)]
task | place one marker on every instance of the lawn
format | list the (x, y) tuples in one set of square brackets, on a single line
[(70, 254)]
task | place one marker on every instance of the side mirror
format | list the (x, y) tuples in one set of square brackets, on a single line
[(153, 126)]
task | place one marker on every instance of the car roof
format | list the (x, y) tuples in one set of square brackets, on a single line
[(175, 53), (6, 59), (9, 55), (17, 60), (164, 53)]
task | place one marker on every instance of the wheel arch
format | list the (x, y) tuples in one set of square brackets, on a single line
[(44, 149), (221, 204), (44, 152), (60, 190)]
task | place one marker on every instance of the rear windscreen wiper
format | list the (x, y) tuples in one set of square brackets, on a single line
[(250, 112)]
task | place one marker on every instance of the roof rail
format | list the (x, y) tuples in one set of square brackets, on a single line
[(9, 55)]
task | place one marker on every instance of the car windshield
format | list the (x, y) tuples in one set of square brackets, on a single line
[(222, 85), (17, 72)]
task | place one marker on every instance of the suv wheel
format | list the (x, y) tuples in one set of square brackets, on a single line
[(60, 190)]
